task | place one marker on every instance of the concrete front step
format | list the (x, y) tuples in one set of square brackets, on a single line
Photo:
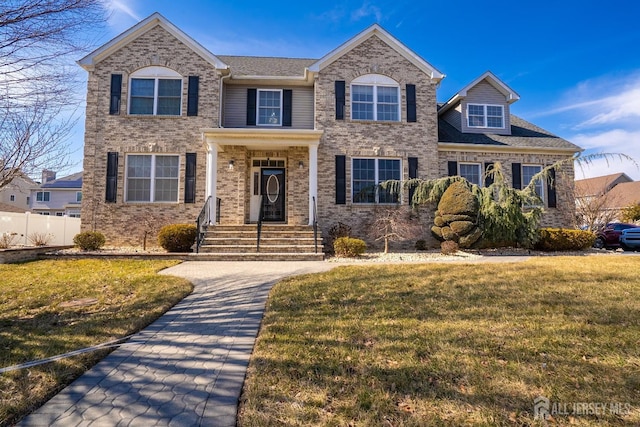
[(231, 256), (283, 241), (294, 249)]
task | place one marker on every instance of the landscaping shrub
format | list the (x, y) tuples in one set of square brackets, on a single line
[(7, 240), (349, 247), (89, 240), (335, 232), (421, 245), (177, 237), (449, 247), (563, 239), (38, 238)]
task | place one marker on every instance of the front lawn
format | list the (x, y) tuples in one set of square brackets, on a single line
[(49, 308), (451, 344)]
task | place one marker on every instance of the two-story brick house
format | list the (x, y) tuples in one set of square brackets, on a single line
[(171, 126)]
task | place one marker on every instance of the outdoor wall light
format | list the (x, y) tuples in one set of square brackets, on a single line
[(231, 164), (300, 164)]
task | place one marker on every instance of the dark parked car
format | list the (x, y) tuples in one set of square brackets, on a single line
[(630, 239), (609, 236)]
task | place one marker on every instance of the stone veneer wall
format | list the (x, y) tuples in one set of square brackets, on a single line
[(371, 139), (127, 223), (563, 214)]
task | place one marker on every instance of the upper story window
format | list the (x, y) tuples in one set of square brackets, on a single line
[(485, 116), (375, 97), (78, 196), (152, 178), (471, 172), (269, 107), (12, 198), (43, 196), (155, 91)]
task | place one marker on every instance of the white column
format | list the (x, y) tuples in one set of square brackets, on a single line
[(212, 178), (313, 178)]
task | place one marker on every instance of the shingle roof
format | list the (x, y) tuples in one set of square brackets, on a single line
[(624, 194), (523, 135), (266, 66), (5, 207), (71, 181), (599, 184)]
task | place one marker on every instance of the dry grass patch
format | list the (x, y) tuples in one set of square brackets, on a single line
[(53, 307), (415, 345)]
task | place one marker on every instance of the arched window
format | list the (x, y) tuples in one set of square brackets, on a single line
[(375, 97), (155, 91)]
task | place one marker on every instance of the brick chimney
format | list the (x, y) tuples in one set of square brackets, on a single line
[(48, 175)]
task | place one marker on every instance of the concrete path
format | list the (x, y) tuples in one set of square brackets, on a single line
[(188, 367)]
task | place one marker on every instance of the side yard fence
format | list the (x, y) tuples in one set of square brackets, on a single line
[(59, 230)]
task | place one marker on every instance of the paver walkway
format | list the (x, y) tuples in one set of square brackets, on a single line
[(188, 367)]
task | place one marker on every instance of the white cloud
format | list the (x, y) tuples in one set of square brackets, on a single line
[(614, 141), (121, 15), (365, 11)]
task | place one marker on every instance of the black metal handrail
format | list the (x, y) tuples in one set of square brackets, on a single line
[(315, 224), (260, 215), (218, 203), (204, 218)]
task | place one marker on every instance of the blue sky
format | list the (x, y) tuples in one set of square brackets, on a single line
[(575, 64)]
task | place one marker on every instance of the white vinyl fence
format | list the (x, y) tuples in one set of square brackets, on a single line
[(59, 229)]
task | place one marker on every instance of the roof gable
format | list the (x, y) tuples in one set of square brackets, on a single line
[(156, 19), (510, 95), (71, 181), (599, 184), (382, 34)]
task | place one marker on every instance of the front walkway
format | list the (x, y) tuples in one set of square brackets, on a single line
[(188, 367)]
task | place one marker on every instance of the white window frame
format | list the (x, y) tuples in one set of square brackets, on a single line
[(376, 180), (259, 91), (524, 184), (152, 178), (45, 196), (485, 116), (12, 198), (156, 74), (375, 81), (480, 172)]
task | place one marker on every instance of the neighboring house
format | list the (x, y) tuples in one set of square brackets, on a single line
[(601, 199), (58, 197), (14, 197), (170, 126)]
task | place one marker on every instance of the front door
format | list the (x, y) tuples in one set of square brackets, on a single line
[(273, 194)]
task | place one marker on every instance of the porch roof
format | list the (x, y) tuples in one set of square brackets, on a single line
[(260, 138)]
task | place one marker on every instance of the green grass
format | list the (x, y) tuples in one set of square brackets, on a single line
[(41, 316), (449, 344)]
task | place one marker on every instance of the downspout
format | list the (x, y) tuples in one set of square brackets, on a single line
[(220, 103)]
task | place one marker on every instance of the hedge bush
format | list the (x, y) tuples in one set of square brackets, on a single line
[(449, 247), (89, 240), (349, 247), (177, 237), (564, 239)]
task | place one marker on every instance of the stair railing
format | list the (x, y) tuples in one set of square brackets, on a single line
[(204, 218), (260, 215), (315, 224)]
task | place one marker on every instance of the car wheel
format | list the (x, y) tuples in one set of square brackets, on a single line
[(599, 243)]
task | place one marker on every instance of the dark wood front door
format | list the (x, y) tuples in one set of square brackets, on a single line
[(273, 194)]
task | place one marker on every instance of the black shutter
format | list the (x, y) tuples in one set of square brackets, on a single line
[(413, 173), (411, 103), (488, 180), (192, 96), (112, 177), (340, 99), (551, 189), (251, 106), (287, 106), (341, 181), (452, 168), (516, 176), (116, 94), (190, 178)]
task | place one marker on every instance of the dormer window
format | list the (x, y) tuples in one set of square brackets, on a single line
[(375, 97), (485, 116), (155, 91)]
